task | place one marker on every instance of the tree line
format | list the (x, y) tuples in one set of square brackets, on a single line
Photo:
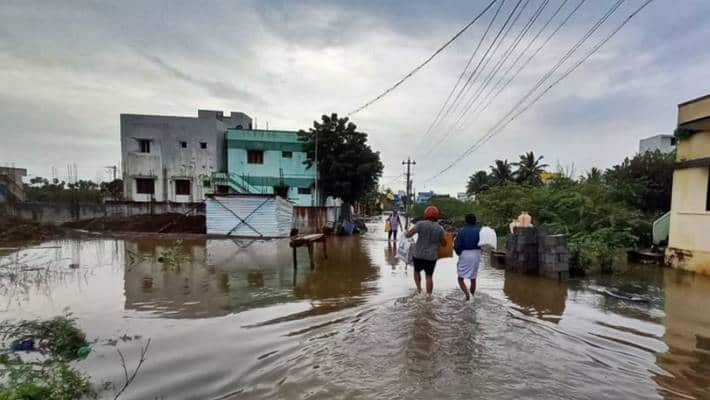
[(81, 191)]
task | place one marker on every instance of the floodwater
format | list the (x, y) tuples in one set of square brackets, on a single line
[(230, 320)]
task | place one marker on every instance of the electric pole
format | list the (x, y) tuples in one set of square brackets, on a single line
[(113, 169), (407, 200)]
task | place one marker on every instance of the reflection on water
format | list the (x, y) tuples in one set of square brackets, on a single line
[(233, 320), (544, 298), (687, 323), (220, 277)]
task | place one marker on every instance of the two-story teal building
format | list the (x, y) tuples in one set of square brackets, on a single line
[(268, 161)]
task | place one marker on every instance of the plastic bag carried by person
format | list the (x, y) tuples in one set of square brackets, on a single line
[(388, 226), (447, 250), (487, 237), (405, 251)]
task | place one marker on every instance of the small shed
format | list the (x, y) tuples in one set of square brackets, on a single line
[(249, 215)]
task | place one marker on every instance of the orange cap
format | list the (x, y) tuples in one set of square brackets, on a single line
[(431, 213)]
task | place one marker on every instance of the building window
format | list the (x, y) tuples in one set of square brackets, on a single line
[(183, 145), (182, 187), (203, 145), (305, 190), (287, 154), (145, 186), (255, 156), (144, 145), (707, 194)]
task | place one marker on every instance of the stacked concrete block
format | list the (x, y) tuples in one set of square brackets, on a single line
[(554, 256), (522, 251)]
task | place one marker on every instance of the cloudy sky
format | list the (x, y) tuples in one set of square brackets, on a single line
[(69, 68)]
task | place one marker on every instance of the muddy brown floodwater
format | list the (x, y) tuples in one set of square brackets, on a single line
[(228, 319)]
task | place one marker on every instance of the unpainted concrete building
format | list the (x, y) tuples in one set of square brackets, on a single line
[(172, 159), (11, 185), (662, 143)]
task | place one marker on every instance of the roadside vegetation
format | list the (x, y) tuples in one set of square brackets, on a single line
[(83, 191), (348, 168), (37, 356), (50, 376), (602, 213)]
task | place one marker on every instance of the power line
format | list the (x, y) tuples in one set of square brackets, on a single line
[(465, 69), (539, 83), (571, 69), (420, 66), (498, 127), (491, 75), (537, 51), (509, 52), (483, 61)]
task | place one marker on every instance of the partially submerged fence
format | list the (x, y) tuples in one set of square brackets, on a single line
[(249, 215)]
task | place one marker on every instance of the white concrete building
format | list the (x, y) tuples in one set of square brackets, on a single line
[(664, 143), (170, 159)]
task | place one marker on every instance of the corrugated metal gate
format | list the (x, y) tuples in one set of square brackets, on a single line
[(249, 215)]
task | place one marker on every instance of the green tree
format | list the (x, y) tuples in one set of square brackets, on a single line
[(529, 169), (112, 189), (644, 182), (501, 172), (478, 182), (594, 175), (347, 167)]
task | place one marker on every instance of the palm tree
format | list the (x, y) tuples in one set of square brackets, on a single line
[(594, 175), (529, 169), (478, 182), (501, 173)]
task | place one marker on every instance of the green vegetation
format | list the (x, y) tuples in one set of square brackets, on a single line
[(603, 213), (452, 210), (597, 226), (347, 166), (50, 378), (83, 191)]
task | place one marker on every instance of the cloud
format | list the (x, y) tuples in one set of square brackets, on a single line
[(221, 89), (68, 70)]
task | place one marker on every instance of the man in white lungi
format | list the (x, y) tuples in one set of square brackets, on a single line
[(466, 247)]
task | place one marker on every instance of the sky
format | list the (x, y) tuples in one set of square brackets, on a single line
[(68, 69)]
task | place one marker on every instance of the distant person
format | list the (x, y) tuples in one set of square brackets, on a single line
[(395, 223), (466, 247), (430, 235)]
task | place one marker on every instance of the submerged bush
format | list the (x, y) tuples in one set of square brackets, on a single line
[(596, 224), (60, 335), (51, 378), (57, 381)]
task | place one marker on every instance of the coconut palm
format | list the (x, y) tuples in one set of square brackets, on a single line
[(529, 169), (501, 172), (478, 182), (594, 175)]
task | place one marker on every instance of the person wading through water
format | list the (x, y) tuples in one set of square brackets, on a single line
[(395, 223), (466, 247), (430, 235)]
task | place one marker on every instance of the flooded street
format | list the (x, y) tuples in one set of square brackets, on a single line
[(229, 319)]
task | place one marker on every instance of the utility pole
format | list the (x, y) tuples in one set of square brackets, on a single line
[(113, 169), (407, 200)]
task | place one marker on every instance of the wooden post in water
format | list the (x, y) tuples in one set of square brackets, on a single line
[(295, 258), (310, 254)]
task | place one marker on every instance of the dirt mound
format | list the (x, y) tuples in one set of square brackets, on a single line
[(169, 223), (14, 230)]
